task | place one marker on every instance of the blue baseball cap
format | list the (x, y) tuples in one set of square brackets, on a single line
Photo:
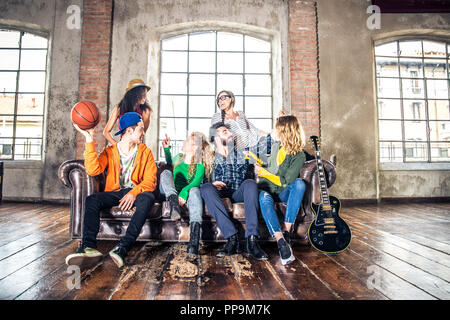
[(127, 120)]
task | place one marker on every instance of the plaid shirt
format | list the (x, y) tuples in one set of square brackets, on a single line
[(232, 170)]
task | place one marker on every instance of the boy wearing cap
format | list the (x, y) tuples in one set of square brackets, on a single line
[(130, 180)]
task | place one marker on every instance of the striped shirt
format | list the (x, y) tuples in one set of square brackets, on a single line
[(246, 133)]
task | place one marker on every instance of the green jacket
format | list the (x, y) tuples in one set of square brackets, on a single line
[(288, 171)]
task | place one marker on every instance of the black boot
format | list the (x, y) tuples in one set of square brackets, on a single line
[(231, 247), (194, 238), (254, 249), (175, 209), (287, 237)]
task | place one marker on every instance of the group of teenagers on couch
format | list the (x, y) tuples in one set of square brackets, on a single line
[(224, 165)]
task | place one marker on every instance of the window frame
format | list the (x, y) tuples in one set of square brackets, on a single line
[(427, 164), (216, 51), (29, 157)]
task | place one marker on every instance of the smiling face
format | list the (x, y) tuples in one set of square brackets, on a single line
[(225, 101), (136, 135)]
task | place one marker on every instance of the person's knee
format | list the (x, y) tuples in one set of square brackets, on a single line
[(264, 198), (145, 199), (195, 192), (92, 200), (250, 184), (299, 185)]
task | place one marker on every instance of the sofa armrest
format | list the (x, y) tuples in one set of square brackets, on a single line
[(73, 175)]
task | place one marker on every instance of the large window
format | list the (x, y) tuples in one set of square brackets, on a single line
[(196, 66), (413, 101), (23, 61)]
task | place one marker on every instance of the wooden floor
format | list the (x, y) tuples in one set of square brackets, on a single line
[(397, 252)]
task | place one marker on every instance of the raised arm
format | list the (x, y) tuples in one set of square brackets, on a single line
[(110, 125)]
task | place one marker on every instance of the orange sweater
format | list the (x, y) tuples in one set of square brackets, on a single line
[(144, 168)]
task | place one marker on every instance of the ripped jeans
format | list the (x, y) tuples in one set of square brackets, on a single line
[(292, 195)]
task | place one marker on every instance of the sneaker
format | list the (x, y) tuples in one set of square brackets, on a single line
[(84, 257), (118, 255), (285, 252), (287, 237)]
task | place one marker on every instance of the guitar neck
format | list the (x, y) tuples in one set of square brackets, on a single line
[(322, 180)]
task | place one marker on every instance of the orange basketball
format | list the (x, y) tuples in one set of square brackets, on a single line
[(85, 114)]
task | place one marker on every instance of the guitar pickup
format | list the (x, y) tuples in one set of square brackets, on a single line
[(330, 232), (329, 227), (326, 207)]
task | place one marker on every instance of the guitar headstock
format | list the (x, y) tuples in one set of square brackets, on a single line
[(315, 141)]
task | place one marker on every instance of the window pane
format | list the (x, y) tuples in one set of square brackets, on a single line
[(173, 83), (413, 88), (388, 49), (416, 151), (416, 130), (31, 41), (390, 130), (8, 81), (201, 125), (437, 89), (30, 104), (389, 109), (411, 48), (201, 106), (174, 61), (440, 151), (173, 106), (33, 59), (204, 41), (175, 43), (258, 107), (387, 67), (230, 62), (414, 109), (6, 148), (9, 59), (438, 110), (391, 152), (229, 42), (29, 127), (202, 62), (258, 85), (201, 84), (31, 81), (411, 68), (6, 126), (176, 148), (433, 49), (9, 39), (257, 62), (7, 103), (27, 149), (175, 128), (254, 44), (388, 88), (435, 68), (439, 130), (233, 83)]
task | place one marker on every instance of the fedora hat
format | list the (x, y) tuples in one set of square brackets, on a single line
[(134, 83)]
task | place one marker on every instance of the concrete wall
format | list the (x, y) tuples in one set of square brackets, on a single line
[(35, 180), (348, 101)]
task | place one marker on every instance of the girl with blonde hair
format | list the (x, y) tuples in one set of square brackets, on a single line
[(279, 179), (182, 186)]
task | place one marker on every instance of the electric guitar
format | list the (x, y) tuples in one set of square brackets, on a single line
[(328, 232)]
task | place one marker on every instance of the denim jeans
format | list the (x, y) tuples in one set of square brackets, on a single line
[(103, 200), (247, 193), (194, 201), (292, 195)]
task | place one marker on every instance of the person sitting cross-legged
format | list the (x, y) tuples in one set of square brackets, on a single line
[(130, 181)]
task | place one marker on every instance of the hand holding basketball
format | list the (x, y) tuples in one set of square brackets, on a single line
[(85, 115), (88, 134)]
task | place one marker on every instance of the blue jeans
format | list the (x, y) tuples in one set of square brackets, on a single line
[(194, 201), (292, 195)]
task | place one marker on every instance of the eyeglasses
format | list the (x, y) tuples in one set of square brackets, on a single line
[(223, 97)]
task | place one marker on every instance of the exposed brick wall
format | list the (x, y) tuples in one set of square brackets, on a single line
[(95, 64), (303, 63)]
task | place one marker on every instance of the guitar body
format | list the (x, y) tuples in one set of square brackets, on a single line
[(328, 232)]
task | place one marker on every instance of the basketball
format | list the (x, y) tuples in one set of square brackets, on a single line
[(85, 114)]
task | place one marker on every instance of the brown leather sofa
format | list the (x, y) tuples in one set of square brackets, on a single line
[(160, 227)]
